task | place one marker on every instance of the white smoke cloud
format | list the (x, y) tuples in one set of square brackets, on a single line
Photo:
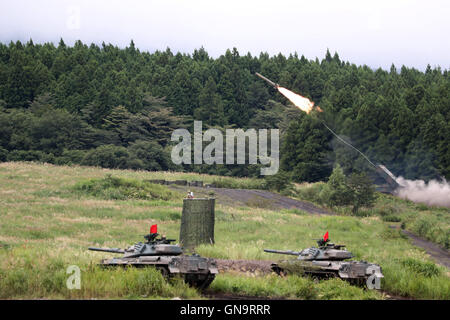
[(433, 193)]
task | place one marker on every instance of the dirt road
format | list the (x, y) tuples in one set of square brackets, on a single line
[(256, 198), (438, 254)]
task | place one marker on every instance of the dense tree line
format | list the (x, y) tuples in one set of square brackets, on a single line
[(116, 108)]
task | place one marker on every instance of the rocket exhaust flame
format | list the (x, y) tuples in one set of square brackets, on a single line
[(297, 100), (300, 102)]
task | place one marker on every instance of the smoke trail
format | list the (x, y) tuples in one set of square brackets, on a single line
[(348, 144), (433, 193)]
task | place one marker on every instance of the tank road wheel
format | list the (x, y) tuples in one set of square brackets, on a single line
[(360, 282), (279, 271), (164, 271), (205, 283), (199, 281)]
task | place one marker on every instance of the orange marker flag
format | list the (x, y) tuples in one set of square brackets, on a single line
[(325, 237)]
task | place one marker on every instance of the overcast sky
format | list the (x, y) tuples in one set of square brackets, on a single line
[(377, 33)]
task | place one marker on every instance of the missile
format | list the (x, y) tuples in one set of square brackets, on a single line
[(273, 84)]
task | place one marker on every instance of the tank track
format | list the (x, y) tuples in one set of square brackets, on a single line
[(197, 280), (319, 274)]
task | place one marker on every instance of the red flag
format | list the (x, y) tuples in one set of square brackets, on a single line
[(325, 236), (154, 228)]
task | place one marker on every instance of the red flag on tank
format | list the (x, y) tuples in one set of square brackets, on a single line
[(325, 236), (154, 228)]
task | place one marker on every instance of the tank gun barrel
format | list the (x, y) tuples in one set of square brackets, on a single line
[(293, 253), (113, 250)]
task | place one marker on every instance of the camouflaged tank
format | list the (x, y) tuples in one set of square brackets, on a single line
[(328, 260), (167, 258)]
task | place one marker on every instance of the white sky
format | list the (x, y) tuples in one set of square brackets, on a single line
[(376, 33)]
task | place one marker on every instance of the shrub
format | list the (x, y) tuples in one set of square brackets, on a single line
[(279, 182), (311, 192), (243, 183), (336, 192), (114, 188), (148, 155), (391, 218), (71, 157), (427, 269), (356, 190), (3, 154), (392, 234), (30, 155), (107, 156)]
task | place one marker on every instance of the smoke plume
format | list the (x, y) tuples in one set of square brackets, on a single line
[(433, 193)]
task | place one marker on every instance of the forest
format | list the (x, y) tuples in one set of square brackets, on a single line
[(117, 107)]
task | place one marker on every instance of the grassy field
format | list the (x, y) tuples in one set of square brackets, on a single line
[(50, 214)]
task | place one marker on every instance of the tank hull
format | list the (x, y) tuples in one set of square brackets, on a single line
[(352, 271), (197, 271)]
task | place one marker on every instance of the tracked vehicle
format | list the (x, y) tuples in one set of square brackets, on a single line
[(166, 257), (328, 260)]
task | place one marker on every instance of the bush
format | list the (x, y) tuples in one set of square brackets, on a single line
[(429, 227), (30, 155), (113, 188), (356, 190), (69, 157), (279, 182), (311, 192), (243, 183), (336, 192), (362, 190), (3, 154), (148, 155), (427, 269), (391, 218), (389, 234), (107, 156)]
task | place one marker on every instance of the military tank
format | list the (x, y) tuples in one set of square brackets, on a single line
[(166, 257), (328, 260)]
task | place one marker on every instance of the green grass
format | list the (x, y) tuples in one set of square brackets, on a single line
[(241, 183), (47, 226), (291, 287)]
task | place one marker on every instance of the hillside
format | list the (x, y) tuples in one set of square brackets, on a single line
[(48, 221), (117, 107)]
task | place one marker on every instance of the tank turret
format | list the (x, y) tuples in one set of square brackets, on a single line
[(153, 247), (325, 251)]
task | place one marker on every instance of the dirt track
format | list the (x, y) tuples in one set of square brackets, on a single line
[(256, 198), (246, 266), (438, 254)]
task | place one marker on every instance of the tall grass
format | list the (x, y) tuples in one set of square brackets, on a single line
[(41, 274), (242, 183), (290, 287)]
